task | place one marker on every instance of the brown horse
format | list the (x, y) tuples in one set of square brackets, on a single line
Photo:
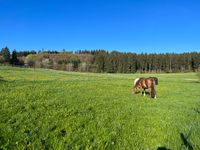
[(146, 83), (137, 79)]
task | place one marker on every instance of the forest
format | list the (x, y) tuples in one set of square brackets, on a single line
[(102, 61)]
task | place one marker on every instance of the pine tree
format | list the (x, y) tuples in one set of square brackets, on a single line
[(6, 54), (14, 60)]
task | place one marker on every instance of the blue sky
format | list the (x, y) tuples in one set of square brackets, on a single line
[(123, 25)]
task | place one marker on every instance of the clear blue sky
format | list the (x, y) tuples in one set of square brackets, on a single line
[(124, 25)]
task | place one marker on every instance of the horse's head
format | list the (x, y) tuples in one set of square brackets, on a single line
[(153, 93)]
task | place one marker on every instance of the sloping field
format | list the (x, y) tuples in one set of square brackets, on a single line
[(46, 109)]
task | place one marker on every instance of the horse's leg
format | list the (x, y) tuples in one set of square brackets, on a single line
[(141, 90), (144, 92), (150, 92), (134, 90)]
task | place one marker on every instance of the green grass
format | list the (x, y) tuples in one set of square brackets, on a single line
[(46, 109)]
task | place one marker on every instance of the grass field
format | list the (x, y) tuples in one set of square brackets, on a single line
[(46, 109)]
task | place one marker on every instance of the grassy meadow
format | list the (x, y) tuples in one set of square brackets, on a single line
[(47, 109)]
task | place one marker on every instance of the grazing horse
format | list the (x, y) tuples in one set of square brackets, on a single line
[(136, 82), (146, 83)]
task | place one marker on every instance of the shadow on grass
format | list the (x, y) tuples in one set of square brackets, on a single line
[(196, 82), (197, 110), (2, 79), (162, 148), (146, 92), (185, 140)]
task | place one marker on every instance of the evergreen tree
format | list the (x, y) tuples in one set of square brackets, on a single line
[(14, 60), (6, 54)]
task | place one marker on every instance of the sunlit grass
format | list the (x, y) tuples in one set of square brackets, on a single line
[(42, 109)]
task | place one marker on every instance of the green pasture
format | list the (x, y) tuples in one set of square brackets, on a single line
[(47, 109)]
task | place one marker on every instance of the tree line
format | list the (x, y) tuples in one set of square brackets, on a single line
[(103, 61)]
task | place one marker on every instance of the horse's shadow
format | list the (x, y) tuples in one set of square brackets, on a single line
[(146, 92)]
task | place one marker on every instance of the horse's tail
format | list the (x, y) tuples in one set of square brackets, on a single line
[(153, 88), (156, 80)]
